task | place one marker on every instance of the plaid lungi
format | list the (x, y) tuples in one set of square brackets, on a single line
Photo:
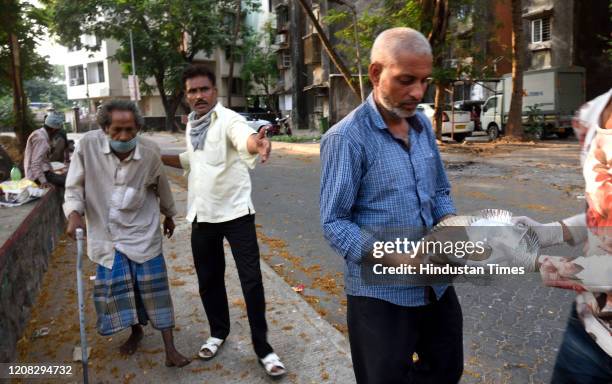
[(131, 293)]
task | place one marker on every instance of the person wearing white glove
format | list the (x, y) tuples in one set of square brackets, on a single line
[(585, 354), (571, 230)]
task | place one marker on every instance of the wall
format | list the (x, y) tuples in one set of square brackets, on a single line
[(559, 51), (342, 99), (34, 231)]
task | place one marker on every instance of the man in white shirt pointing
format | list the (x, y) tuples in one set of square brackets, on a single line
[(221, 148)]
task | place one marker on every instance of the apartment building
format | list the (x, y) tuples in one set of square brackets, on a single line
[(94, 76), (567, 33)]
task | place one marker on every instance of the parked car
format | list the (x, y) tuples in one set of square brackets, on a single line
[(462, 121), (474, 107), (257, 124)]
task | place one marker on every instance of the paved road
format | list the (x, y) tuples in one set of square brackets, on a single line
[(512, 329)]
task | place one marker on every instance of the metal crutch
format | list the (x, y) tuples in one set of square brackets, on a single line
[(80, 237)]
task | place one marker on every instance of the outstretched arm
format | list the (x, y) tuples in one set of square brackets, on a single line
[(172, 161)]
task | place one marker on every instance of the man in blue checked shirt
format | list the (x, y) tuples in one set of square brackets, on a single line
[(381, 173)]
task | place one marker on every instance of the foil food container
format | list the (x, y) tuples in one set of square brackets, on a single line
[(508, 244)]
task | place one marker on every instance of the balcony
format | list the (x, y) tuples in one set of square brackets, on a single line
[(312, 49)]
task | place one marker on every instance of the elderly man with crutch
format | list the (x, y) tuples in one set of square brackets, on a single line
[(116, 180)]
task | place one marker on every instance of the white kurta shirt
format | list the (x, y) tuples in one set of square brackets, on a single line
[(219, 185)]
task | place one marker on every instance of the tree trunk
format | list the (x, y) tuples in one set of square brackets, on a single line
[(270, 99), (514, 127), (22, 128), (230, 77), (171, 113), (438, 12), (170, 103), (438, 109)]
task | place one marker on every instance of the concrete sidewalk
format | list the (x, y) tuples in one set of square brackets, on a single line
[(310, 347)]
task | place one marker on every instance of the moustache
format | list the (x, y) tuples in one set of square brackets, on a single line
[(201, 102)]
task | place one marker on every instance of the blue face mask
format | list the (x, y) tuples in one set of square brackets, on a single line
[(123, 146)]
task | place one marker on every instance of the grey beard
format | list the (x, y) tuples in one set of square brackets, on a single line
[(397, 112)]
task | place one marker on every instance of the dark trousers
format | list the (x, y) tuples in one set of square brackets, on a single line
[(580, 359), (209, 260), (55, 179), (384, 336)]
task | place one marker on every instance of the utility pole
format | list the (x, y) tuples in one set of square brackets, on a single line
[(357, 51), (230, 78), (329, 49), (132, 55), (356, 41), (133, 79)]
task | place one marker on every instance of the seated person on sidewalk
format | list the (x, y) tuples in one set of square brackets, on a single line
[(117, 181), (36, 158), (221, 148)]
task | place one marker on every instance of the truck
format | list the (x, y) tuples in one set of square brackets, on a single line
[(550, 97)]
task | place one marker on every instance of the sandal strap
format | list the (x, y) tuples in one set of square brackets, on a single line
[(272, 360), (212, 344)]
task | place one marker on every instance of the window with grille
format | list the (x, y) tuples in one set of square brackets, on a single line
[(95, 72), (282, 16), (540, 30), (286, 60), (75, 75)]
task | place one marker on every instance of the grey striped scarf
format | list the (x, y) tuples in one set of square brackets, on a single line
[(199, 129)]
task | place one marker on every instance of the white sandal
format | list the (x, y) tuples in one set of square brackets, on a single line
[(212, 344), (270, 361)]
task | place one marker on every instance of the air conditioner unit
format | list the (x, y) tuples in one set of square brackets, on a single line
[(281, 39), (73, 82)]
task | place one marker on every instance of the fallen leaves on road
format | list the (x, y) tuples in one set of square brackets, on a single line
[(179, 269), (298, 288), (537, 207), (177, 282), (476, 195)]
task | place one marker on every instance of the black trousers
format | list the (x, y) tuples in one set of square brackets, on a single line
[(384, 336), (209, 260), (55, 179)]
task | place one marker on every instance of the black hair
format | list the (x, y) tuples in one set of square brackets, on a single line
[(195, 70)]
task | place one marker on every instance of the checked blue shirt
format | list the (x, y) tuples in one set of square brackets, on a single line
[(373, 183)]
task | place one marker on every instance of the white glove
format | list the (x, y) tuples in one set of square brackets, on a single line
[(549, 234)]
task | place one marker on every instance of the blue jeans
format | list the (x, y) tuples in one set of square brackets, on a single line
[(580, 359)]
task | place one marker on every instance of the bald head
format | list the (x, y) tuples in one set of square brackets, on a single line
[(393, 42), (400, 71)]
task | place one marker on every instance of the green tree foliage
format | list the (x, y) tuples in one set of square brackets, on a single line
[(167, 35), (438, 20), (260, 70), (21, 24), (28, 23), (49, 90), (377, 17)]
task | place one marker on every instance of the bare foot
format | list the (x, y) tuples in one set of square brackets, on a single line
[(131, 344), (175, 359)]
